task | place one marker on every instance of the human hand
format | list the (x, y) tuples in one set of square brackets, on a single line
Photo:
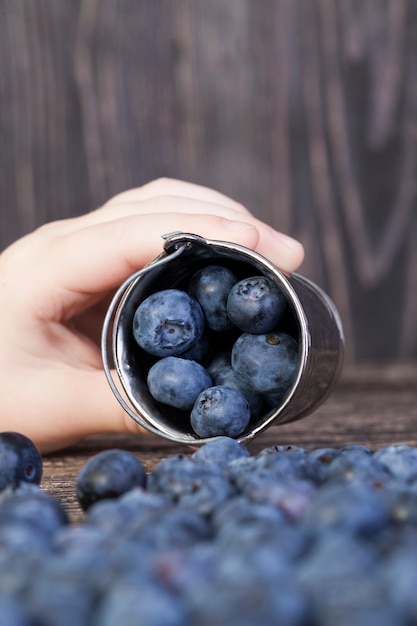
[(57, 282)]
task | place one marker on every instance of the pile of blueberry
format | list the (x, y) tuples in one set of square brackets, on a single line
[(284, 537), (252, 366)]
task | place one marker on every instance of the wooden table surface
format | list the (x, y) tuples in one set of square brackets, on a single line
[(371, 405)]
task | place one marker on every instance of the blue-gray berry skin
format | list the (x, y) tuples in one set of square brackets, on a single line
[(266, 362), (200, 486), (12, 612), (20, 460), (228, 376), (113, 514), (356, 508), (168, 322), (256, 305), (177, 382), (220, 452), (29, 504), (155, 608), (109, 474), (400, 460), (220, 411), (201, 350), (221, 358), (210, 286)]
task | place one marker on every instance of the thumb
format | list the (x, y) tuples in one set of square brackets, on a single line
[(94, 260)]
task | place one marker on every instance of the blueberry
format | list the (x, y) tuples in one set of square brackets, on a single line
[(318, 462), (283, 461), (168, 322), (221, 358), (292, 496), (267, 362), (149, 605), (256, 305), (220, 452), (113, 514), (12, 613), (400, 460), (220, 410), (400, 576), (228, 376), (210, 286), (242, 597), (353, 508), (188, 483), (180, 528), (109, 474), (240, 511), (25, 540), (30, 504), (20, 460), (358, 466), (200, 350), (351, 575), (177, 382)]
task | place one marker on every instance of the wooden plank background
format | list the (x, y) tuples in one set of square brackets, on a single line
[(305, 110)]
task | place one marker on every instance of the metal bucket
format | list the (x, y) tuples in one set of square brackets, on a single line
[(313, 319)]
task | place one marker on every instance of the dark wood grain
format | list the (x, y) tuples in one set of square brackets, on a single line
[(373, 406), (305, 111)]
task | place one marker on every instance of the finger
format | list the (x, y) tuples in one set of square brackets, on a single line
[(151, 207), (157, 205), (163, 195), (286, 253), (91, 261), (282, 250)]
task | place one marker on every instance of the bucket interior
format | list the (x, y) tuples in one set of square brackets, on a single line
[(133, 363)]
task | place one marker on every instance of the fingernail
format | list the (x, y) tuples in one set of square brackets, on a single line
[(286, 240), (237, 226)]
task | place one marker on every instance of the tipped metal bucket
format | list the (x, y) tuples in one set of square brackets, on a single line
[(313, 320)]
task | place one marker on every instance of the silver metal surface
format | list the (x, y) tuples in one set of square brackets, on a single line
[(314, 319)]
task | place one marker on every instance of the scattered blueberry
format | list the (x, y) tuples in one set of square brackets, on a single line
[(109, 474), (400, 461), (220, 410), (190, 484), (256, 305), (31, 505), (220, 451), (20, 460), (12, 613), (222, 536)]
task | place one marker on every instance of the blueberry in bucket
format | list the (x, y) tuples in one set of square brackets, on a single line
[(177, 382), (267, 362), (220, 410), (256, 304), (210, 286), (168, 322)]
